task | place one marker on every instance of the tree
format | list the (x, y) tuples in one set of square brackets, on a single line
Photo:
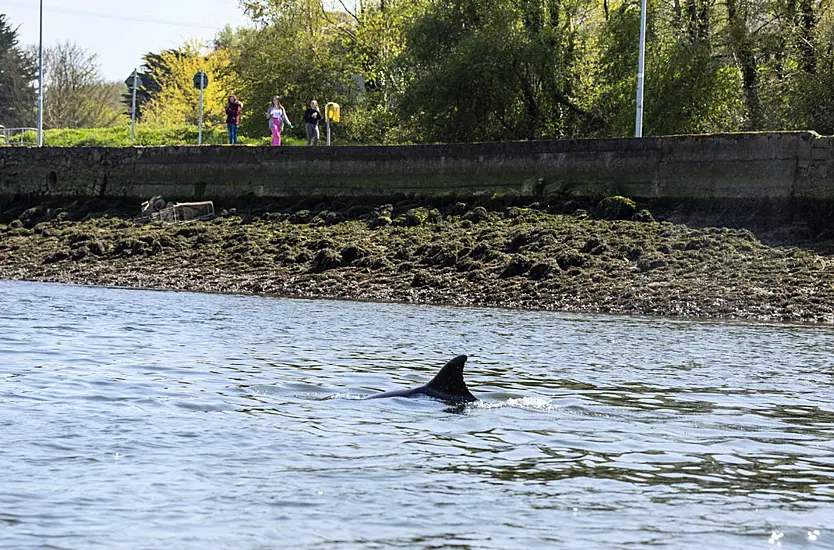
[(688, 89), (474, 70), (296, 52), (75, 95), (149, 73), (17, 73), (795, 63), (498, 70), (177, 100), (375, 39)]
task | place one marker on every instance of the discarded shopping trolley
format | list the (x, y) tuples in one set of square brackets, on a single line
[(156, 209)]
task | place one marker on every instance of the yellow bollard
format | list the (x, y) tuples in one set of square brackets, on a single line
[(331, 113)]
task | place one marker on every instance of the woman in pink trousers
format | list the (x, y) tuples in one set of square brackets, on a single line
[(277, 116)]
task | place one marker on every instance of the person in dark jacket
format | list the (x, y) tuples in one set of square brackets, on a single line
[(312, 116), (233, 109)]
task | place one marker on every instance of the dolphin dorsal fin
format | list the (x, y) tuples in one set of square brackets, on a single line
[(449, 380)]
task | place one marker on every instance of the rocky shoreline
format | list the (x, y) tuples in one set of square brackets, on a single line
[(603, 258)]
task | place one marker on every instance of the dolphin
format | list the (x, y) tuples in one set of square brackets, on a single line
[(448, 385)]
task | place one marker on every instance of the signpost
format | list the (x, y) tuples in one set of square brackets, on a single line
[(133, 83), (200, 82)]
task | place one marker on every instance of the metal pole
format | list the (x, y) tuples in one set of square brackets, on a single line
[(200, 131), (40, 80), (327, 117), (133, 109), (641, 66)]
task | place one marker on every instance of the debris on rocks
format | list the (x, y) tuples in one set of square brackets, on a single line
[(156, 209)]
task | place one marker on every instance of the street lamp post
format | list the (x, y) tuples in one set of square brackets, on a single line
[(40, 80), (641, 66)]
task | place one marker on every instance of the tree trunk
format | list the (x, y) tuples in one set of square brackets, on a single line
[(741, 45)]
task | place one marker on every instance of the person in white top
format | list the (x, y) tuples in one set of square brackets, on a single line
[(277, 116)]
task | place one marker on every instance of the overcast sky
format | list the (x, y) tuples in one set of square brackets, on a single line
[(121, 31)]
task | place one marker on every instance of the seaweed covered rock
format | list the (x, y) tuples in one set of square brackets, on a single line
[(130, 247), (568, 258), (651, 262), (520, 257), (35, 215), (477, 215), (413, 217), (519, 240), (594, 245), (352, 253), (615, 208), (302, 216), (517, 266), (326, 259), (540, 271), (380, 216), (643, 216), (481, 250), (379, 221), (327, 217)]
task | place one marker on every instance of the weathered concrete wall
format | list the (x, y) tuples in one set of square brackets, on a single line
[(786, 168)]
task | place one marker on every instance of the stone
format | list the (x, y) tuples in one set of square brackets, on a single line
[(326, 259), (351, 253), (568, 258), (539, 271), (651, 262), (517, 266), (477, 215), (643, 216), (615, 208)]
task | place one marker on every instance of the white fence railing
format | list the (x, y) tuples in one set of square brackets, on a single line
[(13, 136)]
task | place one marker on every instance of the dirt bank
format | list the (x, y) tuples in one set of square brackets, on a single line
[(459, 254)]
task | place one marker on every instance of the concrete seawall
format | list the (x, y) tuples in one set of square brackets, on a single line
[(785, 174)]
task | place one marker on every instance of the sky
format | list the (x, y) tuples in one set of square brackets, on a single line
[(120, 32)]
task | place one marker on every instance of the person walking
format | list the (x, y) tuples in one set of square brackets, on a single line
[(233, 109), (312, 116), (277, 116)]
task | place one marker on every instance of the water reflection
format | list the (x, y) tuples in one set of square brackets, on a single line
[(792, 478)]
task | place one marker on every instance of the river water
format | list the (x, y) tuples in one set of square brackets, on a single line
[(140, 419)]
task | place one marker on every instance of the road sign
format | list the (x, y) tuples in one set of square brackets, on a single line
[(131, 82), (200, 80)]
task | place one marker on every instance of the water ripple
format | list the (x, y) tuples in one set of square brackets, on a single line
[(151, 419)]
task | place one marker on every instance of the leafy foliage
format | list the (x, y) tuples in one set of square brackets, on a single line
[(296, 53), (17, 71), (75, 95), (416, 71), (177, 100)]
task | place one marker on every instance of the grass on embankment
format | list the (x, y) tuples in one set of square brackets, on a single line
[(145, 136)]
